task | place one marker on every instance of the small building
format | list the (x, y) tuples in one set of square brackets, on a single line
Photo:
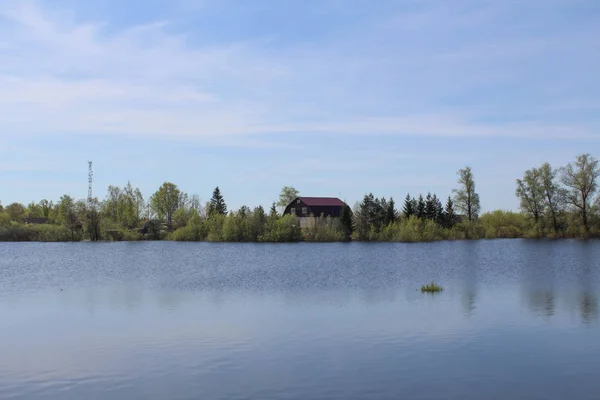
[(308, 208)]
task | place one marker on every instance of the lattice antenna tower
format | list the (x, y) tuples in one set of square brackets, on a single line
[(90, 179)]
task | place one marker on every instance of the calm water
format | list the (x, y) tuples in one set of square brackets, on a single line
[(518, 320)]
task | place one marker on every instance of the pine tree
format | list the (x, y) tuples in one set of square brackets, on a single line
[(368, 208), (429, 207), (449, 214), (408, 208), (421, 208), (244, 211), (346, 222), (380, 212), (391, 214), (439, 210), (273, 211), (365, 216), (217, 203)]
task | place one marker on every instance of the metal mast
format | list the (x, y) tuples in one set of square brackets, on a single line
[(90, 178)]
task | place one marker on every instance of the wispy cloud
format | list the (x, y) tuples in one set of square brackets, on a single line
[(333, 95), (63, 74)]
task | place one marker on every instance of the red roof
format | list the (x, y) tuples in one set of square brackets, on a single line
[(322, 201)]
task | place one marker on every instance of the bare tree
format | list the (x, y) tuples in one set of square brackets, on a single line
[(580, 179), (465, 198)]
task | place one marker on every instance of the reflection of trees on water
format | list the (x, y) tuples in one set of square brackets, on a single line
[(544, 302), (471, 260), (588, 307), (541, 302), (539, 263), (469, 299), (578, 288), (588, 302)]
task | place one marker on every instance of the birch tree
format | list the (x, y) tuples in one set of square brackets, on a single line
[(465, 197)]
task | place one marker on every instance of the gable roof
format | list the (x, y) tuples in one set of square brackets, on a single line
[(322, 201)]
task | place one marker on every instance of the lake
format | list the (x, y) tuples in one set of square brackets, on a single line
[(518, 319)]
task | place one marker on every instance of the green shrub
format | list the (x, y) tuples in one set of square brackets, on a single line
[(284, 229), (324, 230), (431, 288), (37, 233)]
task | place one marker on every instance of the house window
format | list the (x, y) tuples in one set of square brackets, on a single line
[(298, 201), (292, 210), (304, 210)]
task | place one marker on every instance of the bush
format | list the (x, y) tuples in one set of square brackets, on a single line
[(413, 229), (324, 230), (284, 229), (122, 235), (507, 224), (37, 233)]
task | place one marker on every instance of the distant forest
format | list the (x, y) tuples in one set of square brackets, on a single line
[(555, 203)]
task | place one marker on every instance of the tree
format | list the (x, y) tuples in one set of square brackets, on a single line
[(244, 211), (111, 203), (166, 201), (465, 197), (371, 214), (287, 195), (346, 222), (128, 207), (33, 210), (439, 210), (449, 214), (420, 210), (92, 217), (46, 207), (408, 208), (430, 207), (273, 211), (15, 211), (554, 195), (381, 206), (142, 207), (195, 203), (4, 219), (580, 178), (181, 217), (391, 215), (217, 203), (531, 193), (258, 222), (67, 214)]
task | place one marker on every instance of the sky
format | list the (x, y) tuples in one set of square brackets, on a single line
[(334, 97)]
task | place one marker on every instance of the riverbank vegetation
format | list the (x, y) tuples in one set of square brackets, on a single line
[(554, 203)]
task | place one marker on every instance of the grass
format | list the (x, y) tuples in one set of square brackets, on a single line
[(431, 288)]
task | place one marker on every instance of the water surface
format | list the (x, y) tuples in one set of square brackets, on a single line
[(518, 319)]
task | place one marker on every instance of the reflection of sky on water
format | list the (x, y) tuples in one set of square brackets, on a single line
[(231, 324)]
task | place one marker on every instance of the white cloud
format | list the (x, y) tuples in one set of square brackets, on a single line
[(61, 75)]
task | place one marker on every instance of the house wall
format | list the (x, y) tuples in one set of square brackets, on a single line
[(301, 210), (298, 207)]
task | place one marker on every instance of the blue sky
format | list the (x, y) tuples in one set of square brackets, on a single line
[(334, 97)]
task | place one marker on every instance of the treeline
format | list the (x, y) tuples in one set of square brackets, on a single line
[(555, 203)]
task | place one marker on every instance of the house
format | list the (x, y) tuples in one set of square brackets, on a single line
[(307, 208)]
